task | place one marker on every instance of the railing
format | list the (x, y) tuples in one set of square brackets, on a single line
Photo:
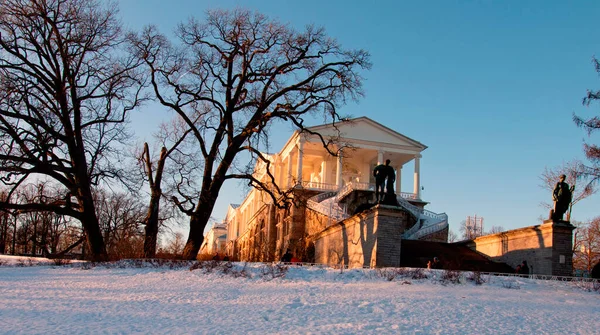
[(414, 210), (352, 186), (411, 196), (322, 196), (408, 233), (318, 186), (441, 216), (330, 209), (428, 230)]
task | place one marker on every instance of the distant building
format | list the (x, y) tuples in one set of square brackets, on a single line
[(215, 240), (328, 192)]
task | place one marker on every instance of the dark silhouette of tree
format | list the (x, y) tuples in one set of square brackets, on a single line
[(590, 125), (232, 78), (182, 163), (66, 87)]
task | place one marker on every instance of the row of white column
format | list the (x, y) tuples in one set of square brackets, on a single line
[(338, 179)]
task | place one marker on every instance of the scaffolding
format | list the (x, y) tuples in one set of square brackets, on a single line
[(473, 227)]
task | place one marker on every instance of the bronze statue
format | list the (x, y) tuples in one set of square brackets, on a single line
[(562, 196), (391, 178), (380, 173), (390, 195)]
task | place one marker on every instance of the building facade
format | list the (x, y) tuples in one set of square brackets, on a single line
[(320, 184), (215, 240)]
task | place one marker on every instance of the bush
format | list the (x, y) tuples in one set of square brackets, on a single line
[(450, 276), (392, 273), (417, 273), (270, 271), (61, 261), (476, 278)]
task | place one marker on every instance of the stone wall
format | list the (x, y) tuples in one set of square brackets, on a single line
[(547, 248), (370, 238), (438, 236)]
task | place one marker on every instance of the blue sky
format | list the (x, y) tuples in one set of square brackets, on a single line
[(489, 86)]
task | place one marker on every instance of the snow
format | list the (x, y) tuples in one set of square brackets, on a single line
[(131, 297)]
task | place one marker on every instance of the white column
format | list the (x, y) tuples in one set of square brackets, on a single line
[(379, 157), (398, 179), (299, 170), (289, 170), (417, 183), (338, 179), (324, 172)]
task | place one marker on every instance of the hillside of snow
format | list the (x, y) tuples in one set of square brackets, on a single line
[(133, 297)]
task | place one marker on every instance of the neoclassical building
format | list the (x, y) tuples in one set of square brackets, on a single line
[(215, 240), (329, 193)]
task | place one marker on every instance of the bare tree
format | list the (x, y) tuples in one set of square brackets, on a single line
[(496, 230), (120, 216), (175, 246), (586, 245), (575, 172), (65, 90), (234, 76), (452, 236), (590, 125), (182, 163)]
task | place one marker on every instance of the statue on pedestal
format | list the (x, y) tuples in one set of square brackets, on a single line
[(562, 196), (381, 173)]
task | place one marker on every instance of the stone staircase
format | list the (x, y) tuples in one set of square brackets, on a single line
[(428, 222)]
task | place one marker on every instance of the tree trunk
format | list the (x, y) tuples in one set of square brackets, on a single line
[(89, 220), (198, 222), (152, 225)]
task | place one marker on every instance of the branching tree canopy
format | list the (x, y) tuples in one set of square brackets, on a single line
[(178, 162), (590, 125), (66, 87), (233, 76)]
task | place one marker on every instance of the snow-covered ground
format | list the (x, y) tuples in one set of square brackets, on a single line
[(125, 299)]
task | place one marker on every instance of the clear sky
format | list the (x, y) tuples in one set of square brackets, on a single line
[(489, 86)]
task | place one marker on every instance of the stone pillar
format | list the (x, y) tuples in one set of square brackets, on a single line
[(379, 157), (289, 170), (299, 167), (324, 172), (398, 179), (417, 182), (338, 179)]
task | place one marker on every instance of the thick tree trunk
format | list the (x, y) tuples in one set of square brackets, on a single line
[(152, 225), (198, 222), (89, 220)]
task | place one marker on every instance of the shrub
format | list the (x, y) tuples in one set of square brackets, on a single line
[(417, 273), (272, 271), (392, 273), (450, 276), (61, 261), (476, 278)]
